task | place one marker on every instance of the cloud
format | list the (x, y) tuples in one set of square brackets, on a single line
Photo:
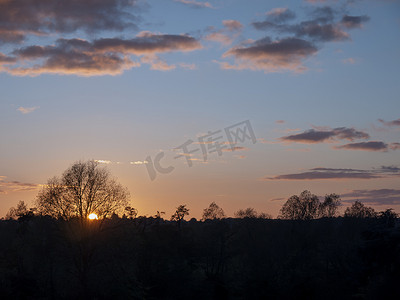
[(195, 4), (313, 136), (7, 187), (227, 34), (354, 21), (335, 174), (139, 162), (349, 60), (42, 17), (271, 56), (107, 56), (365, 146), (280, 121), (320, 28), (232, 25), (235, 148), (394, 146), (27, 110), (390, 123), (102, 161), (375, 197)]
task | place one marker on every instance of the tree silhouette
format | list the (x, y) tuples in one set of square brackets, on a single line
[(330, 207), (251, 213), (180, 213), (21, 211), (84, 188), (359, 210), (132, 212), (302, 207), (213, 212), (246, 213)]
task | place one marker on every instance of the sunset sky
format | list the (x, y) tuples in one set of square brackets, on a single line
[(313, 87)]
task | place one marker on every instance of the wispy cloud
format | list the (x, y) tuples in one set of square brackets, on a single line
[(365, 146), (373, 197), (138, 162), (7, 187), (286, 54), (102, 161), (227, 34), (195, 4), (27, 110), (235, 148), (336, 174), (313, 136), (390, 123)]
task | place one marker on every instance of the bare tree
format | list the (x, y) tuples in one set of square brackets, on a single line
[(84, 188), (330, 207), (302, 207), (213, 212), (359, 210)]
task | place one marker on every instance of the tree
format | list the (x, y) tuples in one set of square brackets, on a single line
[(19, 212), (132, 212), (302, 207), (180, 213), (84, 188), (251, 213), (359, 210), (246, 213), (330, 207), (213, 212)]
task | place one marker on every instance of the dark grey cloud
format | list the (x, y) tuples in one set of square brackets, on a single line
[(100, 57), (4, 59), (332, 174), (22, 17), (366, 146), (338, 173), (268, 55), (320, 28), (376, 197), (318, 136), (390, 123), (354, 21), (389, 169)]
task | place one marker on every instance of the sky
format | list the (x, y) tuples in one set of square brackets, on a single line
[(244, 103)]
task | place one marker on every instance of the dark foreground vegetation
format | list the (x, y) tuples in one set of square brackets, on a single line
[(248, 258)]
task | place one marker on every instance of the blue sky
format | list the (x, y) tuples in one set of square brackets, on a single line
[(318, 82)]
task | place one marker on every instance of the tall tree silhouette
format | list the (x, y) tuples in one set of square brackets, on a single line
[(213, 212), (359, 210), (302, 207), (330, 207), (84, 188), (180, 213)]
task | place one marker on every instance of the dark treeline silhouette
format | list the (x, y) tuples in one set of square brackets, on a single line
[(55, 251), (241, 258)]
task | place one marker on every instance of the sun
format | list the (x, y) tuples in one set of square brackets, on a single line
[(93, 216)]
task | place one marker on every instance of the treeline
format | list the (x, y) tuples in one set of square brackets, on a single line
[(152, 258)]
